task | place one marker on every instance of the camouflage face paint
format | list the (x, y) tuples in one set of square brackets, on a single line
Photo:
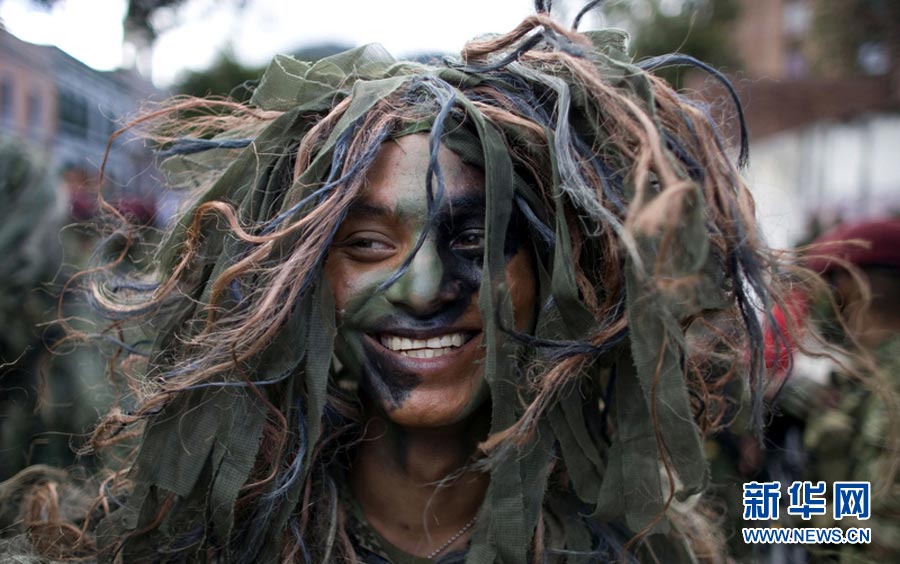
[(416, 346)]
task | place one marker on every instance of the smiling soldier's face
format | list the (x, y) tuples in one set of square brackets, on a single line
[(417, 346)]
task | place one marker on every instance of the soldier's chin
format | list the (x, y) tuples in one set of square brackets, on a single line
[(424, 408)]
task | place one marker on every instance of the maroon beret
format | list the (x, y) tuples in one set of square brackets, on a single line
[(870, 243)]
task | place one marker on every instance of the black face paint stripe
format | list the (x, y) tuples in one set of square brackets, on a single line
[(380, 379)]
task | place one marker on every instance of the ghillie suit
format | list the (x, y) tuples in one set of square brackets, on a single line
[(644, 239)]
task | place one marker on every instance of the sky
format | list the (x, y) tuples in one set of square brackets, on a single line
[(89, 30), (195, 33)]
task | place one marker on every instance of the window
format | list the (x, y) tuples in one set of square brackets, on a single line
[(6, 100), (35, 114), (73, 114)]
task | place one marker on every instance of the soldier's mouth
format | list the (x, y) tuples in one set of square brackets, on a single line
[(431, 347)]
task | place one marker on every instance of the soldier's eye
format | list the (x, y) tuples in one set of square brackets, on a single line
[(469, 241), (367, 246)]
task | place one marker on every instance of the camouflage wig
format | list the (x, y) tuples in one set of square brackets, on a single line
[(642, 234)]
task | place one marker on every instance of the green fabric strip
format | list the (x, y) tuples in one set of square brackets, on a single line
[(320, 348), (288, 83), (654, 314), (509, 535), (183, 435), (580, 452)]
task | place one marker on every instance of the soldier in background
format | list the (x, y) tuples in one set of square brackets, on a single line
[(46, 399), (31, 254), (847, 405)]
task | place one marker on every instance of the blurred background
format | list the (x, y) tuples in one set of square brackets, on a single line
[(820, 80)]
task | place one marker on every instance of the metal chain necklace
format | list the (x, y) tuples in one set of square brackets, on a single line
[(451, 540)]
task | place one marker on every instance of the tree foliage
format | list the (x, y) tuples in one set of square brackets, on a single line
[(700, 28), (140, 13), (225, 77)]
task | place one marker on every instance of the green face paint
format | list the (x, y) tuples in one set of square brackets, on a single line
[(416, 346)]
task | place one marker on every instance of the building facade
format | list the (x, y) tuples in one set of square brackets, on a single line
[(67, 111), (824, 138)]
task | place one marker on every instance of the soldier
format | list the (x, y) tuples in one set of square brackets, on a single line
[(420, 313), (851, 426)]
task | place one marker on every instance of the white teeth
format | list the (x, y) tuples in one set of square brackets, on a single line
[(424, 348), (426, 353)]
